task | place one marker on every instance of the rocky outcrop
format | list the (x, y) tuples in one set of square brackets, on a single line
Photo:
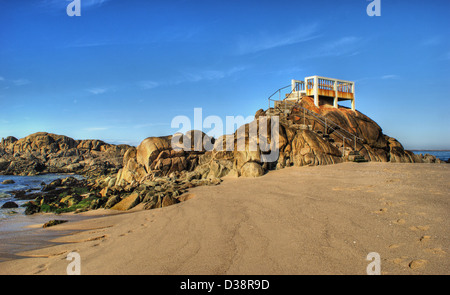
[(313, 144), (74, 195), (160, 171), (50, 153), (373, 146)]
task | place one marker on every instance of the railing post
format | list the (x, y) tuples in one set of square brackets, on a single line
[(343, 147), (304, 117)]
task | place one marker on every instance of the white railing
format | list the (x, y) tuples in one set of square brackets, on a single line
[(322, 86), (330, 84), (297, 86)]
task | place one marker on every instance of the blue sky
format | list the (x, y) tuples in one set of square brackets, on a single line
[(123, 69)]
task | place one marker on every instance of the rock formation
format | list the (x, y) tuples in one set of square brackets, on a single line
[(314, 144), (50, 153), (374, 146), (160, 171)]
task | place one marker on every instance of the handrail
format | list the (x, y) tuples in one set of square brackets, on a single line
[(325, 121), (322, 119), (278, 91)]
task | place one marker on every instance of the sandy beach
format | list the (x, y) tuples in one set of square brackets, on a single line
[(298, 220)]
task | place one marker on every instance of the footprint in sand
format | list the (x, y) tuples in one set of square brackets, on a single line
[(399, 261), (420, 228), (124, 234), (394, 246), (41, 268), (99, 238), (435, 251), (400, 221), (392, 180)]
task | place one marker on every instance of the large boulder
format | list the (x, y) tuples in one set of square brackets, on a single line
[(308, 148), (162, 156), (150, 148), (128, 202), (251, 169)]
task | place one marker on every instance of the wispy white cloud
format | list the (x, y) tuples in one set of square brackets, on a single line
[(343, 46), (91, 3), (266, 41), (97, 90), (20, 82), (184, 76), (197, 76), (14, 82), (83, 44), (390, 77), (147, 84), (383, 77), (64, 3)]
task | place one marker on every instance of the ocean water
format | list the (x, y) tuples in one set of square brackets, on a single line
[(22, 183), (15, 234), (443, 155)]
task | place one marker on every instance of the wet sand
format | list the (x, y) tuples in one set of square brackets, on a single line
[(298, 220), (21, 233)]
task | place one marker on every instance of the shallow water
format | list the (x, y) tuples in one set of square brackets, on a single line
[(23, 183), (16, 236)]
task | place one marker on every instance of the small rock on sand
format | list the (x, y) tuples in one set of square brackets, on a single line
[(416, 264), (9, 205), (8, 181), (53, 223)]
